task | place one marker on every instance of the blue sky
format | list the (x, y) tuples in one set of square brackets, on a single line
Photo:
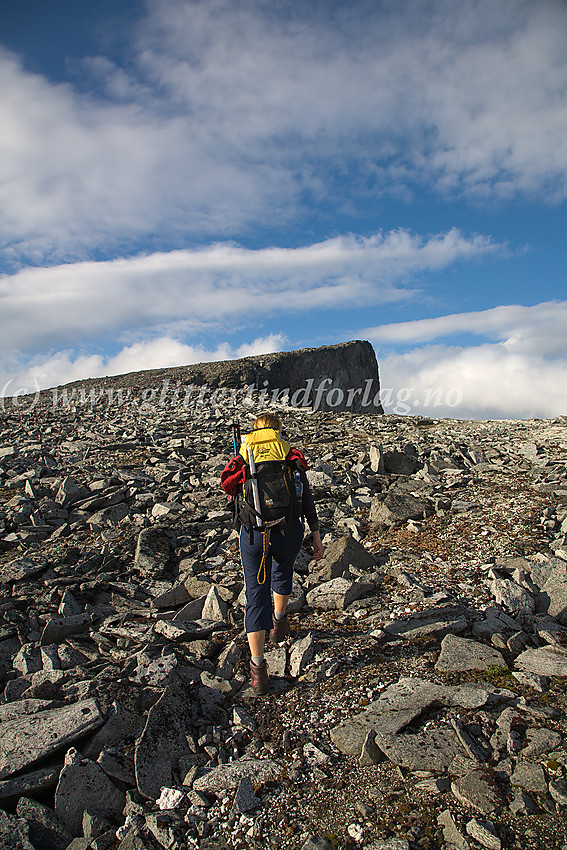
[(184, 181)]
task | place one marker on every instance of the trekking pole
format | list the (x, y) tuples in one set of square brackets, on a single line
[(236, 437), (255, 488)]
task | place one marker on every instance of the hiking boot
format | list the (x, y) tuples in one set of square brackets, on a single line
[(280, 631), (259, 678)]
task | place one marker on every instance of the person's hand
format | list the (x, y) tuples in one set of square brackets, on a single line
[(318, 548)]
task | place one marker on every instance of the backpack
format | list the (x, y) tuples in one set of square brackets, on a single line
[(278, 502)]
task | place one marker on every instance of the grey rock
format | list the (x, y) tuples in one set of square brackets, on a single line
[(70, 491), (484, 833), (155, 672), (153, 551), (241, 717), (46, 830), (301, 654), (477, 790), (389, 844), (370, 752), (451, 833), (545, 661), (176, 595), (432, 749), (297, 598), (399, 705), (110, 516), (522, 803), (337, 594), (226, 777), (58, 629), (94, 824), (121, 727), (192, 610), (434, 621), (214, 608), (471, 746), (558, 791), (540, 741), (532, 680), (376, 454), (458, 654), (118, 765), (400, 463), (30, 782), (35, 736), (341, 555), (529, 777), (84, 785), (316, 842), (19, 568), (245, 799), (163, 741), (227, 660), (553, 596), (27, 660), (397, 508), (276, 660), (511, 595), (14, 833)]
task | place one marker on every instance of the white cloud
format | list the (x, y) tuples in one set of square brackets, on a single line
[(179, 292), (64, 367), (226, 114), (523, 373), (540, 329), (480, 382)]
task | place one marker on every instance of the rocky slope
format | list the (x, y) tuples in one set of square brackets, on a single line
[(330, 377), (419, 702)]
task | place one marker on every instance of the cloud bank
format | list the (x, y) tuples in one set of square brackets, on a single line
[(184, 292), (522, 373), (227, 115)]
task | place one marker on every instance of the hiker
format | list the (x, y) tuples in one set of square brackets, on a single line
[(268, 554)]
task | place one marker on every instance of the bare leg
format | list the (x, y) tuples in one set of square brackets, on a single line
[(256, 642), (280, 603)]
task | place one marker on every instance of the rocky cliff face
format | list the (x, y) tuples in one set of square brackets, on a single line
[(332, 377), (419, 703)]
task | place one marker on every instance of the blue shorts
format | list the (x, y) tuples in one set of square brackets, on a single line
[(275, 574)]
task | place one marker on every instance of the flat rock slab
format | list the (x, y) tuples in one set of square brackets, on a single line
[(397, 706), (35, 736), (458, 654), (540, 741), (436, 621), (477, 790), (59, 629), (434, 749), (276, 660), (227, 777), (163, 742), (545, 661), (31, 782), (529, 777), (18, 569)]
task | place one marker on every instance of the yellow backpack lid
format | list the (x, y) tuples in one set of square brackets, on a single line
[(265, 444)]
